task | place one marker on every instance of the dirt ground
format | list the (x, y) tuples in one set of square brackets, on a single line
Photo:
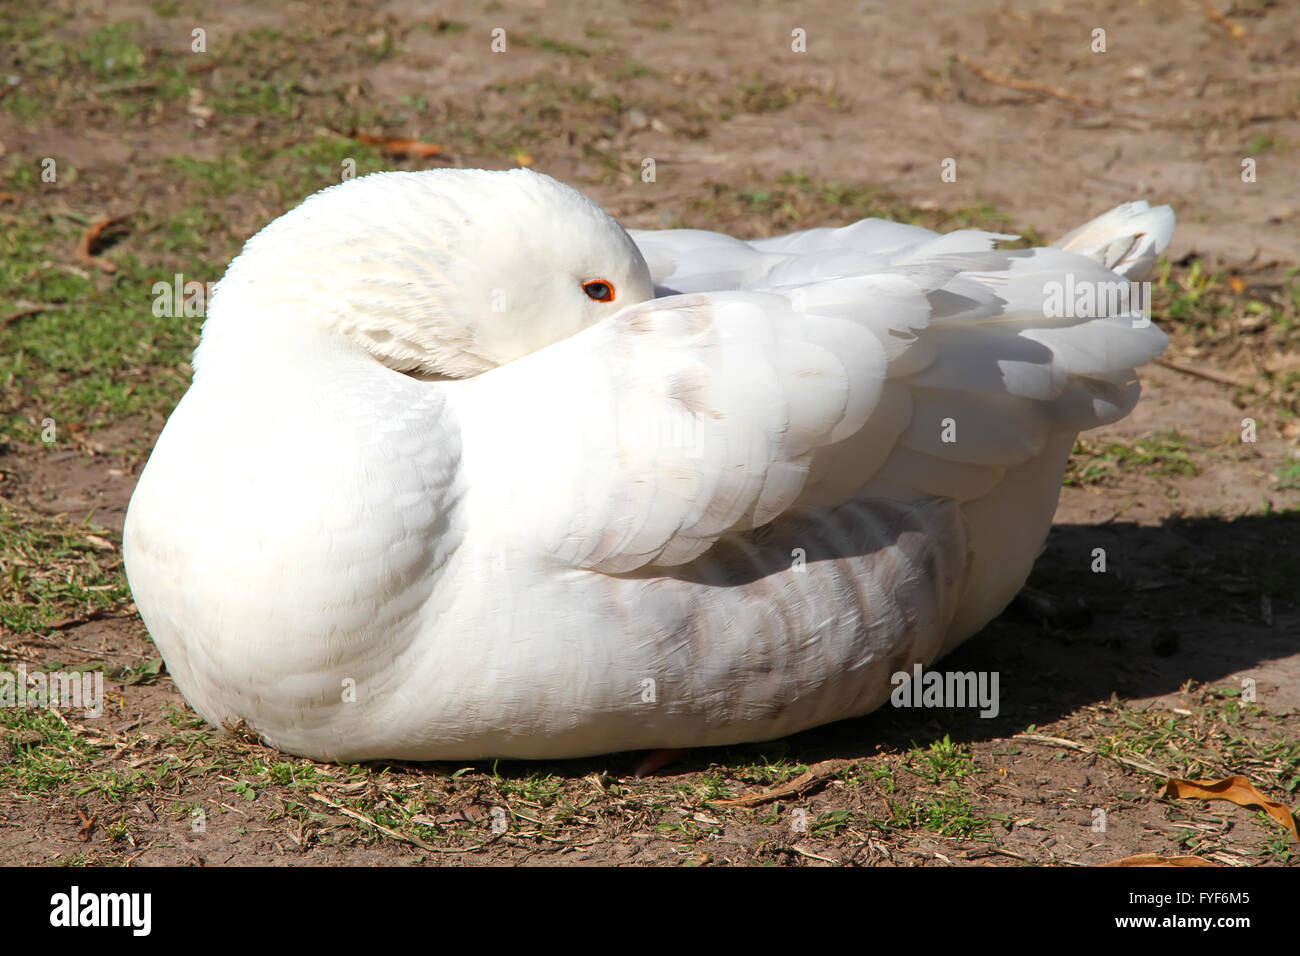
[(1182, 660)]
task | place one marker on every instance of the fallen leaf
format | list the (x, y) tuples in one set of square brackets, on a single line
[(1236, 789), (87, 825), (1215, 16), (89, 239), (1150, 859), (400, 147)]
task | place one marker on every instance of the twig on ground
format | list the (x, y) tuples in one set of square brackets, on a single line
[(25, 311), (1025, 86), (815, 776), (1208, 374), (811, 855)]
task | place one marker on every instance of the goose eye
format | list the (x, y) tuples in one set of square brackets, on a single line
[(599, 290)]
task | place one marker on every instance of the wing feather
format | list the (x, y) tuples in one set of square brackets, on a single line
[(803, 371)]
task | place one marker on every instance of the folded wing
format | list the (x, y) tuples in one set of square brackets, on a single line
[(874, 360)]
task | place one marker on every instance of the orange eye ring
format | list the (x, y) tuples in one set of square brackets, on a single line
[(598, 290)]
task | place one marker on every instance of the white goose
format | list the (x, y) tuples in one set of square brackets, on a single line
[(451, 482)]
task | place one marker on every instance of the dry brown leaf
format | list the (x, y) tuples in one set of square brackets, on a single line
[(1236, 789), (400, 147), (1214, 16), (89, 239), (1150, 859), (87, 825)]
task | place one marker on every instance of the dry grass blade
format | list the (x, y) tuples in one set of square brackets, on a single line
[(1075, 745), (813, 856)]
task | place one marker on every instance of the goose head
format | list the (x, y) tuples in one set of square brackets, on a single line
[(442, 273)]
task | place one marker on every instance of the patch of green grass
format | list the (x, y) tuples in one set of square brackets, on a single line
[(705, 787), (767, 773), (552, 45), (943, 760), (831, 823), (1165, 454), (794, 201), (948, 810), (1210, 314), (1187, 293), (762, 94), (56, 69), (538, 788), (102, 346), (97, 350), (266, 83), (1224, 734), (112, 52), (1258, 143), (217, 178), (46, 755), (949, 814), (1277, 847), (242, 788), (51, 569), (281, 176), (633, 69), (1288, 474), (40, 54), (882, 775)]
